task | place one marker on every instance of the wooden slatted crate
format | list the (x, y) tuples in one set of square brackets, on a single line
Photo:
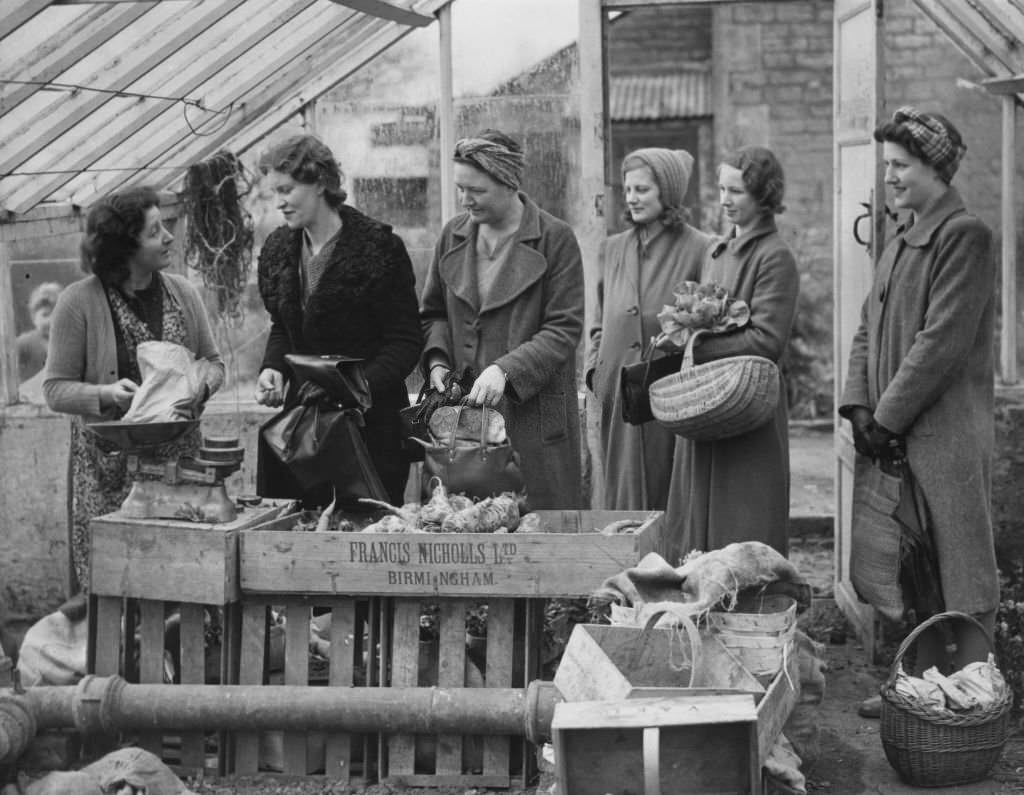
[(401, 574), (274, 648), (571, 560), (167, 590)]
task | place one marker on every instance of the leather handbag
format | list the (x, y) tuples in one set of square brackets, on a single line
[(320, 444), (341, 377), (413, 420), (477, 469), (635, 381)]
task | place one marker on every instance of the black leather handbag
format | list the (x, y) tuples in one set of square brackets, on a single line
[(320, 444), (341, 377), (635, 381)]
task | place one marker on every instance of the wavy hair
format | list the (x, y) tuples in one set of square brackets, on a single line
[(762, 176), (307, 159), (112, 231)]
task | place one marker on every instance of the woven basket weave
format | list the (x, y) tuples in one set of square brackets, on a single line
[(716, 400), (946, 750)]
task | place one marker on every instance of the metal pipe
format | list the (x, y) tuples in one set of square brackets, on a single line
[(104, 705)]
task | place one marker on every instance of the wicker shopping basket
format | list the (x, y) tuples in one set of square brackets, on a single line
[(948, 749), (716, 400)]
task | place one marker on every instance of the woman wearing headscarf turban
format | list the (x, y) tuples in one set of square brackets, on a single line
[(504, 298), (639, 268), (921, 366), (737, 489)]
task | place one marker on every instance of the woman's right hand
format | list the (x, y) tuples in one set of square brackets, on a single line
[(270, 387), (118, 394), (438, 372)]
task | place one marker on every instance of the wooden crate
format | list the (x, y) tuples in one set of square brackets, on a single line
[(274, 648), (144, 571), (601, 663), (510, 658), (573, 561), (680, 744)]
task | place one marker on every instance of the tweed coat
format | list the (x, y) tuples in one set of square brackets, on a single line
[(530, 326), (633, 286), (923, 362), (737, 489), (363, 306)]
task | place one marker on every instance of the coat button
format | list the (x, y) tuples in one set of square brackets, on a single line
[(633, 310)]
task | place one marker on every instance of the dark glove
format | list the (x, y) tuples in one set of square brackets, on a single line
[(861, 422)]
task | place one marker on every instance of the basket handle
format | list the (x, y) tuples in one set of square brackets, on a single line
[(688, 355), (920, 628), (692, 634)]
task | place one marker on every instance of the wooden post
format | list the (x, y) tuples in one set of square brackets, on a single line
[(592, 228), (1008, 334), (8, 350), (446, 115)]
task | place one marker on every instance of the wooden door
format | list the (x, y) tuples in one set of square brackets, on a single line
[(858, 229)]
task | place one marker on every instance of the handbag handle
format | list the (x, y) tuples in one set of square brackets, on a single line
[(455, 428)]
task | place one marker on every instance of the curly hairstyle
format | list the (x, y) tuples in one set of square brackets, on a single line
[(899, 133), (307, 159), (762, 176), (670, 216), (112, 231)]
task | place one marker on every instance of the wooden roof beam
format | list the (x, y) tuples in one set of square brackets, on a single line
[(15, 13), (1004, 85), (385, 10)]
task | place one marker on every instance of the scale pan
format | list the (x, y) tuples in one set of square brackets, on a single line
[(141, 435)]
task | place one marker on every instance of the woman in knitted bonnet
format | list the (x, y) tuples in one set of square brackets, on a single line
[(639, 268), (921, 369)]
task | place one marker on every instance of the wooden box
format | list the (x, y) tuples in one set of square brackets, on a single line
[(572, 561), (660, 746), (602, 663), (607, 663), (170, 559), (163, 607)]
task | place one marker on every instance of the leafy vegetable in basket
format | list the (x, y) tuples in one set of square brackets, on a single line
[(698, 307)]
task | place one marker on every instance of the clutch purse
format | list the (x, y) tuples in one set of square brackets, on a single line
[(635, 381)]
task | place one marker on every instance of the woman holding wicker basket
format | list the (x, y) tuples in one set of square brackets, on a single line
[(639, 267), (737, 488)]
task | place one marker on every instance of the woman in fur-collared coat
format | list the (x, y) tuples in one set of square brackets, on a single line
[(337, 282), (504, 298)]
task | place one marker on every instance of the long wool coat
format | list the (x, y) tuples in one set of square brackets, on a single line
[(530, 326), (364, 306), (633, 286), (922, 361), (737, 489)]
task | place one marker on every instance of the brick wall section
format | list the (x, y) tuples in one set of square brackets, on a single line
[(656, 39)]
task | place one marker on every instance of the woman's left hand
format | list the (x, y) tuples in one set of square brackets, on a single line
[(489, 388)]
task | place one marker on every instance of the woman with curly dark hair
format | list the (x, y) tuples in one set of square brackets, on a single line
[(737, 489), (639, 269), (92, 370), (335, 282)]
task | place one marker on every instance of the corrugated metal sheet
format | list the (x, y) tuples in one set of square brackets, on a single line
[(682, 95), (989, 32), (96, 96)]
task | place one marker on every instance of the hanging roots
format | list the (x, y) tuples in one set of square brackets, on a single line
[(220, 233)]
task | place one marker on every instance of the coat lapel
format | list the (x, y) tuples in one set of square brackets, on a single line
[(457, 266)]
